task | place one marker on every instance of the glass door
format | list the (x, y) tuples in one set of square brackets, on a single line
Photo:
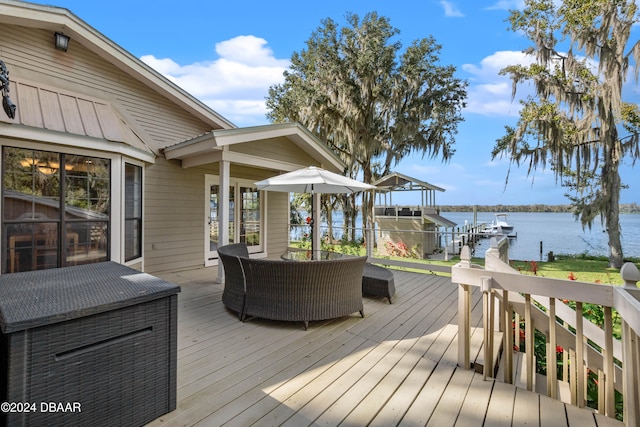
[(213, 218), (250, 217), (247, 210)]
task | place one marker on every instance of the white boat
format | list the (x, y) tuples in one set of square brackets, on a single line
[(499, 226)]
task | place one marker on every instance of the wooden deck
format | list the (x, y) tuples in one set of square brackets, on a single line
[(397, 366)]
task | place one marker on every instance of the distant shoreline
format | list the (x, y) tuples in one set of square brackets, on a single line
[(625, 208)]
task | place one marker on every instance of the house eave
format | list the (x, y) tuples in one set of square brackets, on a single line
[(60, 19), (218, 140), (21, 132)]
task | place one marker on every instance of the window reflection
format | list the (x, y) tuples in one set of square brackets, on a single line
[(250, 211), (34, 215)]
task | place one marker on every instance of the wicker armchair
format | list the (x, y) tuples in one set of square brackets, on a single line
[(234, 292), (303, 290)]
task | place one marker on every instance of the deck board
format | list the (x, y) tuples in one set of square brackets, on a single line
[(396, 366)]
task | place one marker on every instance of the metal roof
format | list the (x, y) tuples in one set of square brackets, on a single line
[(400, 182)]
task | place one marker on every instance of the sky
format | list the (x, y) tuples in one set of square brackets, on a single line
[(228, 54)]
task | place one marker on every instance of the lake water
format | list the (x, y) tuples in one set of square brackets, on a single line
[(558, 232)]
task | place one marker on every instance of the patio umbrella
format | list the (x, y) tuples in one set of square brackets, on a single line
[(313, 180)]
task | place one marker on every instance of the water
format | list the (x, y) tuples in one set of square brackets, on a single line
[(558, 232)]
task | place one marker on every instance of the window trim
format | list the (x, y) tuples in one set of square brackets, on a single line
[(140, 165), (61, 221), (236, 183)]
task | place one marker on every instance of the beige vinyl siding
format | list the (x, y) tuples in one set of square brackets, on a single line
[(29, 55), (278, 149), (278, 223), (174, 202), (174, 217)]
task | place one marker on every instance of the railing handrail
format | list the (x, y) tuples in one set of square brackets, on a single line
[(593, 293)]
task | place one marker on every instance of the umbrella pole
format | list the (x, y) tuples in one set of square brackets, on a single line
[(315, 224)]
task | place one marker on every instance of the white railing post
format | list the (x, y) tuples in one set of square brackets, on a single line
[(370, 233), (464, 315), (529, 342), (609, 407), (630, 274), (579, 362), (507, 329), (631, 354), (552, 366), (487, 321)]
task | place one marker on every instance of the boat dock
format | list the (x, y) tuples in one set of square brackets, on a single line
[(467, 234)]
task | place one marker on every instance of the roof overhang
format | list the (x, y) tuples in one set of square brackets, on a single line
[(59, 19), (440, 220), (214, 146), (20, 132), (400, 182)]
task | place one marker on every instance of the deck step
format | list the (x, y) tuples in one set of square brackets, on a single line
[(539, 381), (479, 362)]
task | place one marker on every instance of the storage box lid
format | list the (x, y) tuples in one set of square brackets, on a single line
[(43, 297)]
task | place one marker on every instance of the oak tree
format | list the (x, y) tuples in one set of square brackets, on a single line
[(577, 122), (370, 101)]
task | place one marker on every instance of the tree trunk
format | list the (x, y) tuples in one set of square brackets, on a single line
[(367, 202), (612, 213), (329, 210)]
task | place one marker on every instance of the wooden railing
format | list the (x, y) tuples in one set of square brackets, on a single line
[(512, 301)]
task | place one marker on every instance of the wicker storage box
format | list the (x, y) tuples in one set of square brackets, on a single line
[(87, 345)]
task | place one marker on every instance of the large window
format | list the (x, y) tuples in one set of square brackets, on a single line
[(132, 212), (55, 209)]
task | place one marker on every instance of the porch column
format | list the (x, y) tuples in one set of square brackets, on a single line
[(223, 212)]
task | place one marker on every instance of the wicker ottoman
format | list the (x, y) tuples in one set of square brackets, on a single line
[(378, 281)]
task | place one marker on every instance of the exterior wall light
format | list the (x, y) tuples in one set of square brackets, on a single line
[(62, 41)]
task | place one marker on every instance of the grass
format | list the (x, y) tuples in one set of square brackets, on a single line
[(581, 267)]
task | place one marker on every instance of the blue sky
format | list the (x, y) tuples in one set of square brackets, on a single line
[(228, 53)]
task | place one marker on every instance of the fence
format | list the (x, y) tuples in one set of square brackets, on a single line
[(408, 243)]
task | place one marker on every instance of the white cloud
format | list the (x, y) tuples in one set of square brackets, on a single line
[(235, 84), (508, 5), (489, 93), (451, 9)]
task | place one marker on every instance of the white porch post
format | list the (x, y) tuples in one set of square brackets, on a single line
[(223, 211)]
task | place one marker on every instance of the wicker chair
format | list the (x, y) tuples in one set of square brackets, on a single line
[(303, 290), (234, 292)]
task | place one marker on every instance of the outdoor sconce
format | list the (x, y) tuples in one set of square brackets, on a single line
[(62, 41)]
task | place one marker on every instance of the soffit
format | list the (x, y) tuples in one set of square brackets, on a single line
[(218, 144)]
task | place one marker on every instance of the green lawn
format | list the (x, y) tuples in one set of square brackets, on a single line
[(571, 267), (582, 268)]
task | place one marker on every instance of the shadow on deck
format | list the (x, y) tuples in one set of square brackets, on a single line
[(397, 366)]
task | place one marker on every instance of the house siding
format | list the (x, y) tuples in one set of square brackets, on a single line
[(29, 55), (277, 149), (174, 217), (174, 202), (278, 227)]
